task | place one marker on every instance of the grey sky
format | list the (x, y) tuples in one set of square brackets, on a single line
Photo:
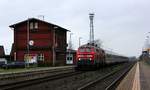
[(122, 25)]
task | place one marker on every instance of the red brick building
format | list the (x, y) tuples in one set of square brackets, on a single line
[(39, 41)]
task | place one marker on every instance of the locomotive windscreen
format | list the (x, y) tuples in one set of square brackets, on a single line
[(85, 49)]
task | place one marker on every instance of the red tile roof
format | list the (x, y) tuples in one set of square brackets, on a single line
[(35, 19)]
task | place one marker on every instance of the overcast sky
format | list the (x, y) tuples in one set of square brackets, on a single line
[(122, 25)]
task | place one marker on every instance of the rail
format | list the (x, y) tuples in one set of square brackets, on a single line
[(102, 79), (115, 83), (17, 85)]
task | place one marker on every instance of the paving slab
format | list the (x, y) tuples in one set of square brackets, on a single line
[(138, 78), (144, 75), (127, 82)]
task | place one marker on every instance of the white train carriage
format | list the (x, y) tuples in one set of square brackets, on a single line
[(112, 57)]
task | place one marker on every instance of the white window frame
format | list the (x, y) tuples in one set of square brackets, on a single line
[(31, 25), (41, 57), (36, 25)]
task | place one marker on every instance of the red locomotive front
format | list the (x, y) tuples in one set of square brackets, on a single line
[(91, 56)]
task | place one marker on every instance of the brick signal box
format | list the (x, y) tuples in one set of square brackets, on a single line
[(38, 41)]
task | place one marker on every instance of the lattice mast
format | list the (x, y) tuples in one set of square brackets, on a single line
[(91, 16)]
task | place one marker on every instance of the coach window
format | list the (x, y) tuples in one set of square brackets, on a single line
[(96, 50)]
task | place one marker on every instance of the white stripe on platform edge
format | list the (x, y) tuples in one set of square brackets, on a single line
[(136, 82)]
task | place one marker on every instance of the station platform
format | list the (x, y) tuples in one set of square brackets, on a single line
[(138, 78), (144, 75), (22, 70)]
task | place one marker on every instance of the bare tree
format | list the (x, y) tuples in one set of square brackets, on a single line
[(70, 45), (97, 42)]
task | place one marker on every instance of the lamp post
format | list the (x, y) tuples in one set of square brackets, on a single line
[(70, 41), (54, 53), (80, 41), (70, 47), (28, 28), (147, 44)]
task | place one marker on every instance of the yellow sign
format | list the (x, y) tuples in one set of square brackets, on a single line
[(30, 58)]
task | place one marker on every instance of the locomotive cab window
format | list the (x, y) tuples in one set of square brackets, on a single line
[(88, 49), (81, 50)]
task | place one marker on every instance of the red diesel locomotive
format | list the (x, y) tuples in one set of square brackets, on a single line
[(90, 55)]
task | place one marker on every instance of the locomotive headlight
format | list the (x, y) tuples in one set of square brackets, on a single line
[(79, 59), (90, 59)]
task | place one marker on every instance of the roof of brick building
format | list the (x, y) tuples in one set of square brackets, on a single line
[(35, 19)]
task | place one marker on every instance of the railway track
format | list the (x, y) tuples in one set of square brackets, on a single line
[(15, 78), (109, 81), (18, 85), (23, 76), (72, 80)]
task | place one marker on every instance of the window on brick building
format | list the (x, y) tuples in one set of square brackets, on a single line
[(41, 57), (36, 25), (33, 25)]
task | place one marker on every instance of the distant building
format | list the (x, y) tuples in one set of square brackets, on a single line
[(2, 52), (38, 41), (2, 56), (71, 56), (144, 55)]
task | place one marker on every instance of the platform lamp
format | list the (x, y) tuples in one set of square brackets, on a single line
[(28, 38), (70, 46), (54, 45), (70, 41), (147, 44), (80, 41)]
